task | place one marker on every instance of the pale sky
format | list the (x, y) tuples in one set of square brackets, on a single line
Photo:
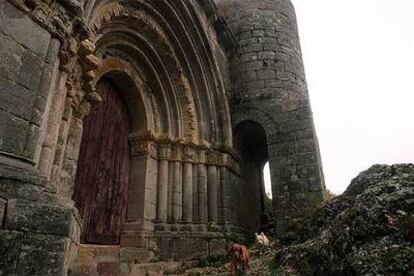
[(359, 63)]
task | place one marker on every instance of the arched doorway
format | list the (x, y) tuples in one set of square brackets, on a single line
[(251, 144), (101, 186)]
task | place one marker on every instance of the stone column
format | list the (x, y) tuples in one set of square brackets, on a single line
[(48, 82), (188, 192), (195, 193), (53, 126), (162, 200), (177, 191), (219, 196), (212, 193), (170, 190), (234, 197), (72, 150), (225, 194), (202, 192)]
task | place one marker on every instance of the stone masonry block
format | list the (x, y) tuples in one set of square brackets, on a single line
[(43, 255), (11, 54), (108, 268), (38, 218), (166, 248), (13, 131), (10, 245), (3, 204), (20, 27), (135, 255), (266, 74), (191, 248), (217, 247), (41, 261), (16, 99), (249, 57), (30, 72)]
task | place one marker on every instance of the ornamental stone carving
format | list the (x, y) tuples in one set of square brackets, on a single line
[(144, 148), (190, 154)]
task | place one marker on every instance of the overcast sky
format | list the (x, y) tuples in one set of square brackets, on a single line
[(359, 63)]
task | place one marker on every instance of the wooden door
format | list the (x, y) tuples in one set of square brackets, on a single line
[(101, 186)]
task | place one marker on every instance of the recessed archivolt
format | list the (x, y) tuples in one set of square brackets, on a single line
[(174, 32), (132, 87), (156, 44), (190, 48), (162, 110)]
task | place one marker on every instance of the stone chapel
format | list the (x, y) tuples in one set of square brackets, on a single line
[(142, 127)]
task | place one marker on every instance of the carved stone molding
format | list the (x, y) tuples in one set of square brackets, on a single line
[(144, 135), (165, 147), (62, 18), (142, 22), (164, 152), (79, 62), (67, 54), (214, 158), (89, 63), (139, 148), (176, 152), (190, 154)]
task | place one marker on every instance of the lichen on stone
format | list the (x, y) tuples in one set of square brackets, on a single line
[(368, 230)]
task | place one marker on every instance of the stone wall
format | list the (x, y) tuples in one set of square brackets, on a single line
[(52, 54), (28, 60), (36, 232), (269, 87)]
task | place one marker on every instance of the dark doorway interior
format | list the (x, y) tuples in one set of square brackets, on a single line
[(101, 186), (250, 141)]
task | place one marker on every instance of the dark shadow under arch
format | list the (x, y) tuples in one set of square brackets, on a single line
[(251, 144), (116, 71)]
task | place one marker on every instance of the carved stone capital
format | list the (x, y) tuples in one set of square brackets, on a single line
[(176, 152), (231, 163), (190, 154), (82, 110), (90, 62), (74, 7), (68, 54), (202, 156), (214, 157), (144, 135), (62, 18), (164, 151), (143, 148)]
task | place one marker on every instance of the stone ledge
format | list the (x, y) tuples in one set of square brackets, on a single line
[(28, 254), (10, 244), (3, 206), (38, 218), (12, 168), (189, 248)]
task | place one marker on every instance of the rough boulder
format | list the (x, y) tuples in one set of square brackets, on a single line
[(368, 230)]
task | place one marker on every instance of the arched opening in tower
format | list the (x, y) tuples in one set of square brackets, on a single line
[(255, 205)]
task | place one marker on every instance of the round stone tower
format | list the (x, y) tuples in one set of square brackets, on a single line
[(269, 89)]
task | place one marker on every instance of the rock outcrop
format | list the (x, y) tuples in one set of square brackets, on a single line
[(368, 230)]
